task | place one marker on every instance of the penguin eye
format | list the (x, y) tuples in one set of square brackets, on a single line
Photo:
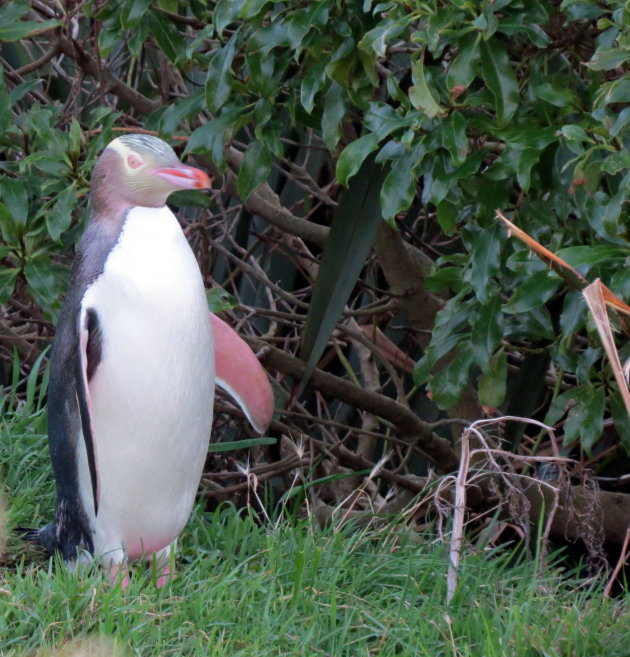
[(134, 162)]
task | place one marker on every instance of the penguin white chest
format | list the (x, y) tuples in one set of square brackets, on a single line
[(152, 392)]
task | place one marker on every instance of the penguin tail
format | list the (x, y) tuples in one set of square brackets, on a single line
[(44, 536)]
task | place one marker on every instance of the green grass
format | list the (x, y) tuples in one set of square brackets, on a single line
[(289, 588)]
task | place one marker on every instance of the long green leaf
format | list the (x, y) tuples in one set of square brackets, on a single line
[(351, 236), (500, 79), (240, 444)]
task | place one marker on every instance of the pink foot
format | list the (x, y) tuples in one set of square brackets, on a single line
[(118, 573), (166, 575)]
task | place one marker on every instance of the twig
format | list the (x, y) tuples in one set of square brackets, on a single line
[(458, 518), (623, 557), (436, 448)]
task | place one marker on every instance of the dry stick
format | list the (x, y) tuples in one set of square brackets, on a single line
[(460, 489), (38, 63), (91, 66), (458, 518), (623, 557), (374, 472), (344, 455), (347, 428), (595, 299), (436, 448)]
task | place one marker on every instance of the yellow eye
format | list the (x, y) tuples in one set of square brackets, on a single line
[(134, 162)]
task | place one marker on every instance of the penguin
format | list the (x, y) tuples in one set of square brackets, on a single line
[(132, 369)]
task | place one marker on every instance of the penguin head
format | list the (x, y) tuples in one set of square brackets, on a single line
[(141, 170)]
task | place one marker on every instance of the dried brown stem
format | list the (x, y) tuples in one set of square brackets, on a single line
[(417, 432)]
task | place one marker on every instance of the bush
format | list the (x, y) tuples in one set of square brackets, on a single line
[(310, 112)]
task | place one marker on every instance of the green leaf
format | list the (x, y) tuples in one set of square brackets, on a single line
[(313, 82), (192, 103), (59, 215), (447, 385), (492, 383), (376, 39), (606, 60), (220, 300), (450, 330), (15, 197), (526, 161), (314, 14), (420, 95), (14, 29), (485, 251), (534, 292), (225, 12), (74, 139), (584, 408), (45, 282), (8, 227), (534, 324), (268, 37), (8, 276), (252, 8), (621, 419), (617, 91), (269, 134), (454, 137), (166, 34), (218, 81), (612, 213), (399, 186), (231, 446), (353, 155), (383, 119), (535, 33), (556, 95), (445, 278), (255, 169), (500, 79), (133, 12), (487, 331), (622, 122), (447, 216), (335, 108), (354, 226), (192, 198), (463, 69), (5, 104), (616, 162), (585, 256), (108, 38), (572, 132), (573, 314), (212, 136), (438, 180)]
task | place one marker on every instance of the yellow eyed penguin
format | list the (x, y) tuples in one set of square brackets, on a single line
[(133, 368)]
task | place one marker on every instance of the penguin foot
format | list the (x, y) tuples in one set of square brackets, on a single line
[(118, 574), (164, 563), (166, 575)]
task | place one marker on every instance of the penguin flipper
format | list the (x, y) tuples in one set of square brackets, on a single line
[(89, 356), (240, 374)]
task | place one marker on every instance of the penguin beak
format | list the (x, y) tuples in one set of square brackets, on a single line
[(184, 177)]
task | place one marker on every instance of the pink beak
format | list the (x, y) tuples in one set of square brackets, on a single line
[(184, 177)]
